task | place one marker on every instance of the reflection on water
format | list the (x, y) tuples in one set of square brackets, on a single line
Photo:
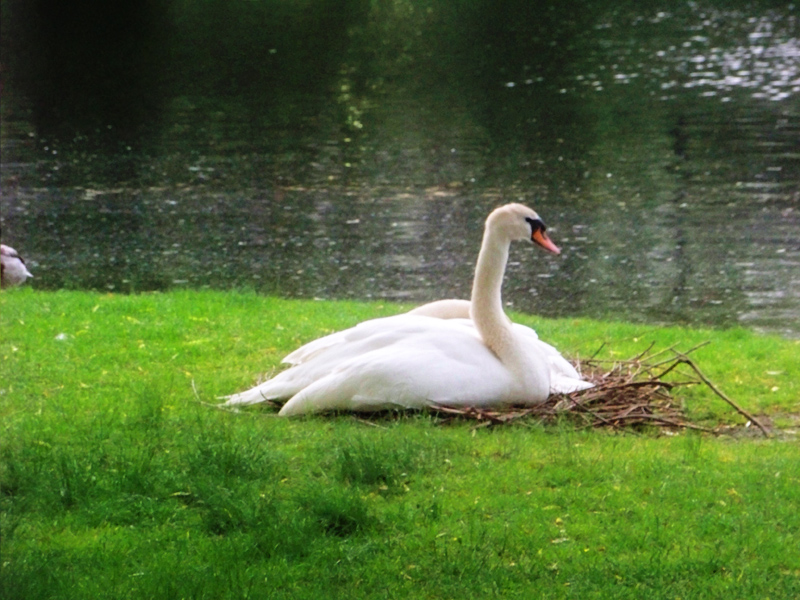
[(716, 52), (662, 149)]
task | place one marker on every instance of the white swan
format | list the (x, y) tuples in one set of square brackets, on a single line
[(12, 268), (418, 360)]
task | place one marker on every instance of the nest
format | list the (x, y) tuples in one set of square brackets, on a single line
[(626, 394)]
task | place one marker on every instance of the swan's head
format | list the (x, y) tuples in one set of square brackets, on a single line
[(518, 222)]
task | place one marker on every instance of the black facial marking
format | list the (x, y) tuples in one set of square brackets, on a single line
[(536, 225)]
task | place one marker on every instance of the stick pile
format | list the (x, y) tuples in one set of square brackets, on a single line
[(627, 393)]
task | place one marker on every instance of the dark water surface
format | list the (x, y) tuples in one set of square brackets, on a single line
[(356, 156)]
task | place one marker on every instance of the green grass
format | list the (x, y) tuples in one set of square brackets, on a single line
[(116, 483)]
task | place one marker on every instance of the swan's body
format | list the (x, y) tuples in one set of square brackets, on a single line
[(12, 268), (451, 353)]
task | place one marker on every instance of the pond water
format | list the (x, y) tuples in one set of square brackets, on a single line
[(661, 147)]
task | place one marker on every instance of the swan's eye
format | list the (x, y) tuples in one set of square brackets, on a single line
[(536, 225)]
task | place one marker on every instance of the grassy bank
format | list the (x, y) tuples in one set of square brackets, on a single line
[(116, 483)]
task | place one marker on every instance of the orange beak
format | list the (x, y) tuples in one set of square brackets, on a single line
[(540, 237)]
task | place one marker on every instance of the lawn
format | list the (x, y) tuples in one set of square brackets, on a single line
[(116, 481)]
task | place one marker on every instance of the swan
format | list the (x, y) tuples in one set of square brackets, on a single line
[(12, 268), (452, 353)]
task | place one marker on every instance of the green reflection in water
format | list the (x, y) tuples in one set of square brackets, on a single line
[(354, 152)]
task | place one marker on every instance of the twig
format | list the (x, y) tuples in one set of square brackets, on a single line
[(687, 424), (594, 414), (660, 352), (697, 347), (672, 365), (672, 348), (370, 423), (686, 360), (596, 352), (641, 355)]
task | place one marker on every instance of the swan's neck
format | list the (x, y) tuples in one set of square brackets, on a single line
[(487, 303), (495, 328)]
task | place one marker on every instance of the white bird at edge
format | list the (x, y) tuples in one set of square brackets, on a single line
[(446, 353), (12, 268)]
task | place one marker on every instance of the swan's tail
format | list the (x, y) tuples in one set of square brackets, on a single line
[(276, 388), (252, 396)]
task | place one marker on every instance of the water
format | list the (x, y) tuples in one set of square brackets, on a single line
[(661, 147)]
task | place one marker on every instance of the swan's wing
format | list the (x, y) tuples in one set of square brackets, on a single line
[(375, 331), (404, 361), (320, 358), (311, 349), (443, 309), (561, 384), (564, 378), (449, 309), (414, 372)]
